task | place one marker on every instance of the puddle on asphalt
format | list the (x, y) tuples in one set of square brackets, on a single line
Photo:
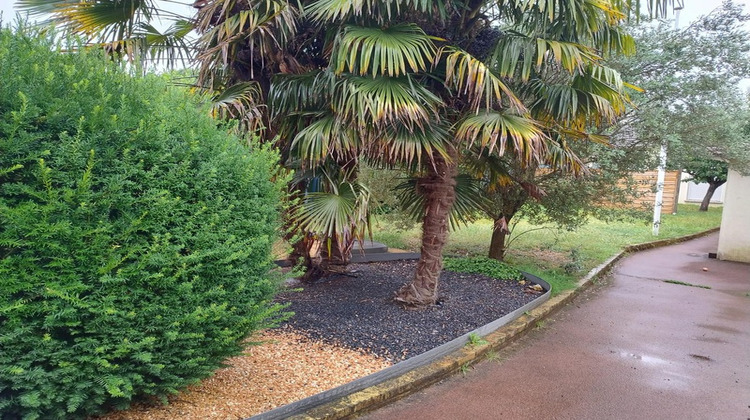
[(649, 360), (664, 375)]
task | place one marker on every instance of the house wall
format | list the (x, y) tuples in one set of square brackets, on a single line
[(718, 197), (734, 239)]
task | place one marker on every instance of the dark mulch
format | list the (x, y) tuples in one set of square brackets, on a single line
[(358, 311)]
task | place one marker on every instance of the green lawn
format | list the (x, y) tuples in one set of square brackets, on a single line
[(560, 257)]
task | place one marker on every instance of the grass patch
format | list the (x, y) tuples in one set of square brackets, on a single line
[(559, 257), (682, 283), (483, 265)]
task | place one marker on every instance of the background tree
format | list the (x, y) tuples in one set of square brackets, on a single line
[(690, 98), (712, 172)]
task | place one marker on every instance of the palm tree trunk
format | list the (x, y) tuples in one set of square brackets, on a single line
[(497, 243), (709, 194), (438, 189)]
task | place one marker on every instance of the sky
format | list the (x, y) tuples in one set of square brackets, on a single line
[(693, 9)]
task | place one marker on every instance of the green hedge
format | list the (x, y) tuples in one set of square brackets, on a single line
[(135, 235)]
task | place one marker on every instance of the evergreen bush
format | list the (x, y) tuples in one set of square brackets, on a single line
[(135, 235)]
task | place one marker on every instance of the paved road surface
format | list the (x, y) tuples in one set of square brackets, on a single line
[(633, 348)]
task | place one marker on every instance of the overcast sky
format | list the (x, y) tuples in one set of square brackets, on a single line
[(693, 9)]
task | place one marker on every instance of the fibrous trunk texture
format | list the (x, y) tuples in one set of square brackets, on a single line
[(497, 243), (438, 189)]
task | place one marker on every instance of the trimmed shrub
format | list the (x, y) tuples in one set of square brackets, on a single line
[(135, 235)]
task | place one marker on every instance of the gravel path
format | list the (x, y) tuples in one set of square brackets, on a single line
[(357, 310)]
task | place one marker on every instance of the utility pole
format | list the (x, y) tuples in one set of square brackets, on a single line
[(661, 174)]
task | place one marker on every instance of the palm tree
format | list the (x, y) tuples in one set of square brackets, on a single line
[(421, 83), (415, 83)]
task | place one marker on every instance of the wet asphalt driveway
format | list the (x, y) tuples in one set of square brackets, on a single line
[(635, 347)]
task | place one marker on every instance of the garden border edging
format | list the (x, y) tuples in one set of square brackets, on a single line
[(407, 377)]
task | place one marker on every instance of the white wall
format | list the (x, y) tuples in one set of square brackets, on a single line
[(734, 238), (698, 191)]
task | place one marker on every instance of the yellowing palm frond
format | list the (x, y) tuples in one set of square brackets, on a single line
[(561, 157), (470, 77), (228, 27), (500, 132), (107, 20), (383, 101)]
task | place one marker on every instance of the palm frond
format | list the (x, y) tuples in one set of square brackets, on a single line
[(397, 145), (325, 137), (516, 55), (391, 51), (298, 92), (229, 27), (560, 156), (108, 20), (469, 76), (341, 212), (500, 132), (656, 8), (614, 40), (169, 46), (492, 170), (384, 101), (241, 102), (379, 10)]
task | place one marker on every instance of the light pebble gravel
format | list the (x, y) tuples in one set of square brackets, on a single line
[(287, 367)]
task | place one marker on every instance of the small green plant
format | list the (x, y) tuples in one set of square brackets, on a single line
[(476, 340), (483, 265), (492, 356), (575, 262), (465, 368), (682, 283), (541, 324)]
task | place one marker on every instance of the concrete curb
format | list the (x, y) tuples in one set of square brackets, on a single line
[(377, 390)]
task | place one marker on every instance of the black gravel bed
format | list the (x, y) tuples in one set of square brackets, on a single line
[(357, 310)]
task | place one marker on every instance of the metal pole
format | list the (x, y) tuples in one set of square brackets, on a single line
[(661, 174)]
